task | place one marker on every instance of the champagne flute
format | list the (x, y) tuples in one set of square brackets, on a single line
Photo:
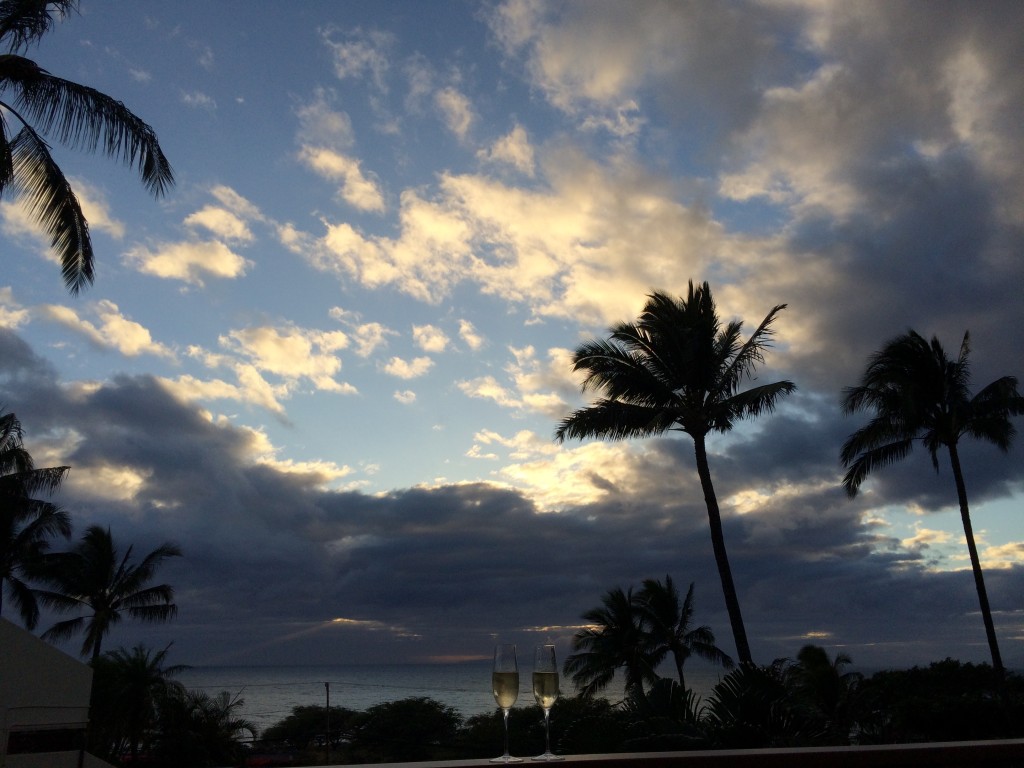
[(505, 686), (545, 690)]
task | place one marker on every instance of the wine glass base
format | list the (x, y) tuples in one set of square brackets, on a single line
[(547, 756), (507, 759)]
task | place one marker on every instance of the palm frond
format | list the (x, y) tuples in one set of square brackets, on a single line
[(63, 630), (751, 353), (23, 22), (869, 460), (82, 117), (53, 204), (613, 420)]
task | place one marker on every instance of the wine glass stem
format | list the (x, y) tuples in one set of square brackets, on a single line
[(506, 732), (547, 731)]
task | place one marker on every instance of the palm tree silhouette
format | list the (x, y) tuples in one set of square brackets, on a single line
[(92, 577), (668, 625), (613, 639), (916, 392), (73, 114), (677, 368), (26, 523), (129, 688)]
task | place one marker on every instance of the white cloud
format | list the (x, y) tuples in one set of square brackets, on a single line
[(456, 111), (488, 388), (430, 338), (114, 330), (408, 369), (367, 336), (469, 334), (405, 396), (359, 52), (220, 222), (356, 189), (292, 353), (198, 100), (12, 314), (514, 150), (189, 262)]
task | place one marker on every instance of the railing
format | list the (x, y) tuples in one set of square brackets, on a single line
[(958, 754)]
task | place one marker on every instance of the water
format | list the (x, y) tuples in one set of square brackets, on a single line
[(270, 693)]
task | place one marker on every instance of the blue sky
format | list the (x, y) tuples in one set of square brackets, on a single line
[(330, 362)]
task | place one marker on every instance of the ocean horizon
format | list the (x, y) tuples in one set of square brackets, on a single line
[(269, 693)]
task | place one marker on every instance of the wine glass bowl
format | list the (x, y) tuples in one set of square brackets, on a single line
[(505, 687), (545, 691)]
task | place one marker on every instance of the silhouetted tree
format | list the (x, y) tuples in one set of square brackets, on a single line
[(677, 368), (614, 639), (74, 115), (128, 691), (916, 392), (95, 578), (668, 625), (26, 523)]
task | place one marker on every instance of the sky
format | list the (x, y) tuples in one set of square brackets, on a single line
[(330, 362)]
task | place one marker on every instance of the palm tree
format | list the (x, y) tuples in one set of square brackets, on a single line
[(613, 639), (26, 523), (92, 577), (73, 114), (917, 393), (128, 690), (676, 368), (667, 622)]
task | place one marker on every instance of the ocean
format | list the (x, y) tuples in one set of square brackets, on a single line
[(270, 693)]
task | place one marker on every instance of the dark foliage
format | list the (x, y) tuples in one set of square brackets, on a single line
[(946, 701)]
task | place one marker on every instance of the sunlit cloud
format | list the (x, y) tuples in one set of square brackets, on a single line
[(430, 338), (357, 189), (407, 369), (189, 262), (456, 111), (514, 150), (114, 331), (12, 314), (220, 222), (469, 334)]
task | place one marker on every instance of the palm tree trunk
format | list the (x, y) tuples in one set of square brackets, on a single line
[(979, 579), (732, 602)]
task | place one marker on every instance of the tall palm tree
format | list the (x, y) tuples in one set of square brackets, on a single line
[(612, 639), (93, 577), (916, 392), (26, 523), (75, 115), (668, 625), (677, 368)]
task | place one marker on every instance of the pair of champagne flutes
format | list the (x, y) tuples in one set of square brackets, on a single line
[(505, 686)]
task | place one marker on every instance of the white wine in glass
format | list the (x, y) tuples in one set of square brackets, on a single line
[(545, 691), (505, 687)]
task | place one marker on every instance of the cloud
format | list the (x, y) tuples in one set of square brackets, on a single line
[(115, 331), (190, 262), (430, 338), (513, 150), (405, 396), (292, 353), (12, 314), (552, 250), (469, 334), (222, 223), (356, 189), (358, 52), (456, 111), (198, 100), (407, 369)]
